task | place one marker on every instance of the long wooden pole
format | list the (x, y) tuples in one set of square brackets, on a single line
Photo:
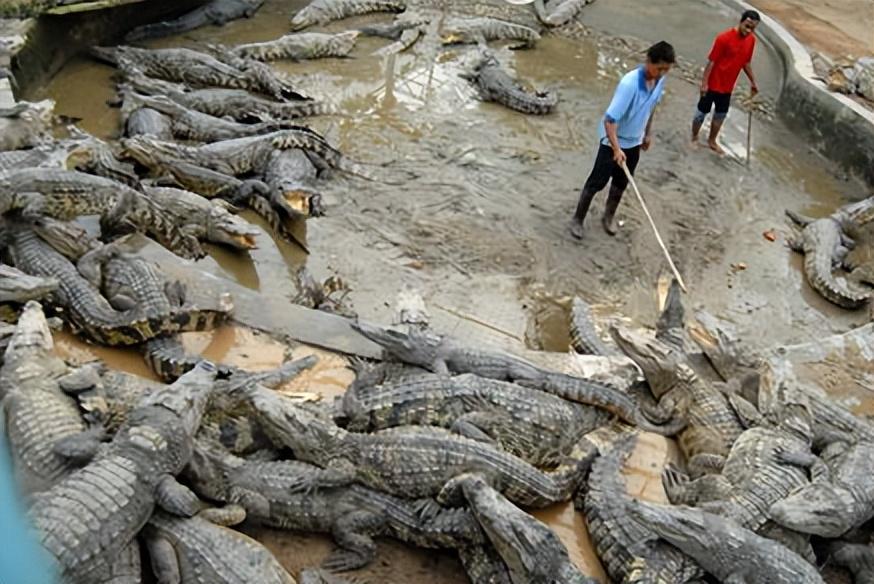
[(749, 134), (654, 228)]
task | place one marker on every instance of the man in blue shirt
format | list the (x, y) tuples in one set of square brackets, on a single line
[(626, 129)]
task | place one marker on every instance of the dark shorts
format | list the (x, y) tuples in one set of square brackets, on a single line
[(711, 99), (605, 169)]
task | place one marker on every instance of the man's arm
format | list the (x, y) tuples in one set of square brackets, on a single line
[(706, 76), (647, 136), (749, 71), (611, 127)]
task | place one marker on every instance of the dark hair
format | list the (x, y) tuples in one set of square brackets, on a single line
[(661, 52), (751, 14)]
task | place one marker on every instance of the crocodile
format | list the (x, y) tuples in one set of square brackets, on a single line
[(196, 69), (228, 421), (188, 124), (85, 308), (721, 345), (566, 11), (233, 103), (300, 46), (298, 496), (290, 175), (215, 12), (26, 124), (18, 287), (627, 548), (66, 194), (833, 507), (824, 246), (39, 416), (244, 155), (723, 548), (145, 121), (208, 220), (85, 520), (764, 466), (532, 551), (196, 551), (324, 11), (495, 84), (192, 177), (482, 29), (444, 355), (713, 424), (129, 282), (583, 333), (534, 425), (380, 460), (81, 151), (671, 325)]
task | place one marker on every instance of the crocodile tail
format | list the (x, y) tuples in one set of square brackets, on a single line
[(798, 218), (163, 29), (823, 281)]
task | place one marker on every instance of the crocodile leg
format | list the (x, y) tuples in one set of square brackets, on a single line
[(165, 565), (176, 498), (352, 533), (81, 448)]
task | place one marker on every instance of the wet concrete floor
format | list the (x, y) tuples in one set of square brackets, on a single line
[(481, 231)]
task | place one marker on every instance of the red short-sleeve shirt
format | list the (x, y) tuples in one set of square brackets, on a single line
[(729, 54)]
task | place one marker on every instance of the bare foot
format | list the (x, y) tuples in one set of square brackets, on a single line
[(714, 145)]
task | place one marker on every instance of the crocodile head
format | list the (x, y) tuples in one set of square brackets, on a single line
[(228, 229), (32, 332), (658, 362), (207, 469), (85, 152), (300, 200), (721, 346), (67, 238), (416, 347), (16, 286), (312, 439), (684, 527), (822, 508), (530, 549), (187, 397)]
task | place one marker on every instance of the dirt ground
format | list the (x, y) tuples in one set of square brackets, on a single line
[(480, 228), (837, 28)]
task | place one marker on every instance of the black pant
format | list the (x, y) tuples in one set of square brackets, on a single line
[(606, 168), (722, 101)]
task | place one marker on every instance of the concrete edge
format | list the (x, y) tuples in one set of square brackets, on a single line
[(842, 129)]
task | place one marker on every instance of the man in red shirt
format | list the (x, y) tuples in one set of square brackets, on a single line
[(732, 52)]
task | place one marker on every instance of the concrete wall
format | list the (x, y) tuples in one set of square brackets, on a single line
[(39, 48), (838, 127)]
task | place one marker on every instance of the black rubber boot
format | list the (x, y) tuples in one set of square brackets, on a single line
[(583, 204), (610, 207)]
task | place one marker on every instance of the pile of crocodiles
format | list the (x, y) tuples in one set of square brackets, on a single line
[(441, 445)]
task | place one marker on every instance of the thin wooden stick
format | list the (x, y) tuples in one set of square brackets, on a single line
[(654, 228), (749, 134)]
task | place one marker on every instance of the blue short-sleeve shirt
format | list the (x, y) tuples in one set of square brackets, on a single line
[(631, 107)]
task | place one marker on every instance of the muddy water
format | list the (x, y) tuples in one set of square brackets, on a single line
[(482, 225)]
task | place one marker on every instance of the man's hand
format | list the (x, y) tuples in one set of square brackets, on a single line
[(754, 90), (647, 142), (619, 156), (703, 87)]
